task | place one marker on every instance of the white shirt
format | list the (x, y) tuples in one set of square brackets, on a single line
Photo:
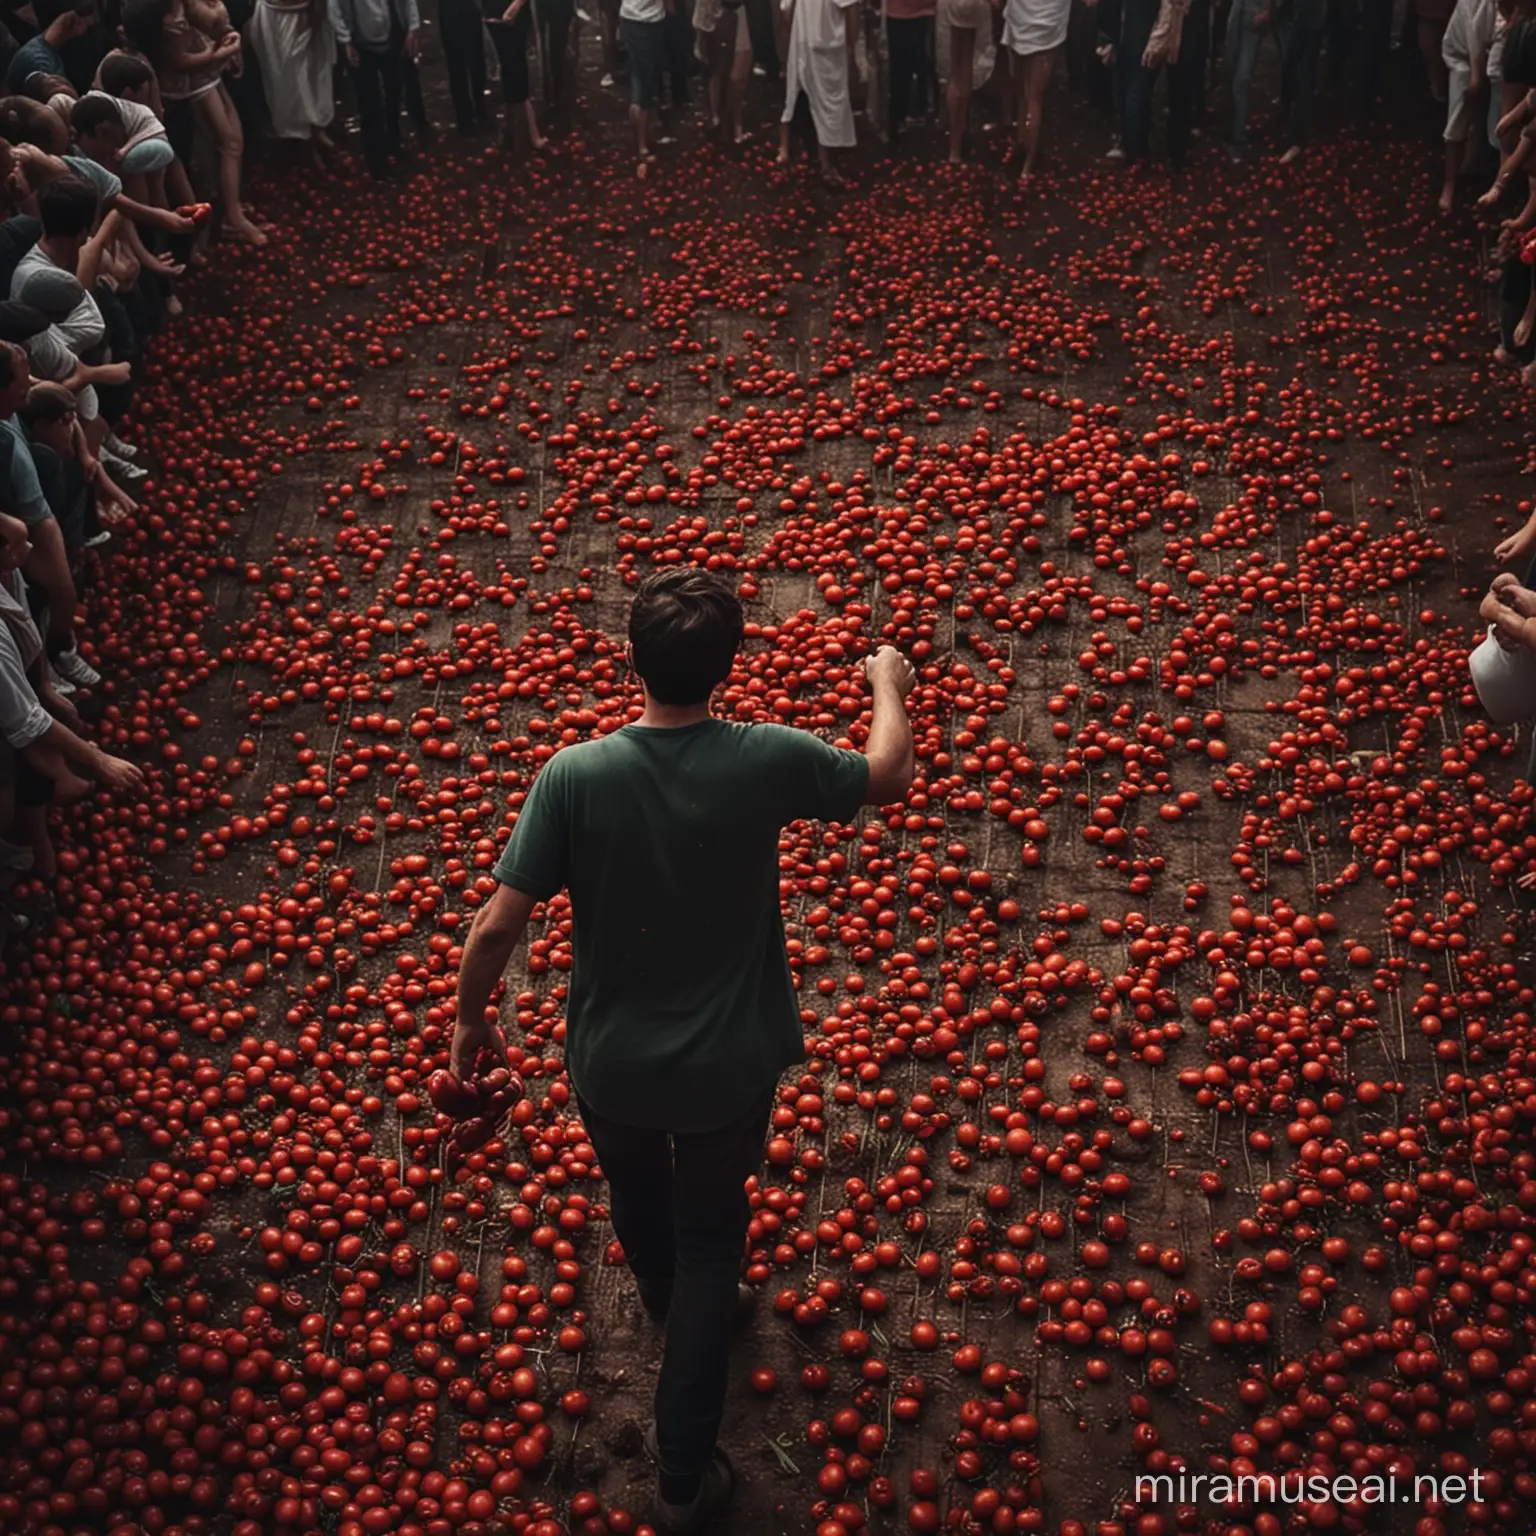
[(1469, 33), (23, 719), (643, 10), (367, 22)]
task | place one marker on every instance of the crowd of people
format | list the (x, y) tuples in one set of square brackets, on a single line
[(119, 114)]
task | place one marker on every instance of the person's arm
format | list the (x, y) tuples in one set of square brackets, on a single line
[(411, 18), (88, 760), (147, 259), (495, 933), (91, 253), (1518, 545), (889, 749), (152, 218), (338, 19), (1163, 43), (1511, 610)]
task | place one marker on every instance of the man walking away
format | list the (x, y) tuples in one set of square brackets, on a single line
[(681, 1014)]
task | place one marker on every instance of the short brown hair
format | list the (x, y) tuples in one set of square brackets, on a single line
[(685, 627)]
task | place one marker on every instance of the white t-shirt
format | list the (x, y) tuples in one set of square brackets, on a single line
[(1469, 32), (84, 328), (643, 10)]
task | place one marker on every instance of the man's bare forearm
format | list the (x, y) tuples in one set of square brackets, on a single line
[(493, 936), (890, 748)]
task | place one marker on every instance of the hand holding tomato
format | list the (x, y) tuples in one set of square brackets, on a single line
[(480, 1090)]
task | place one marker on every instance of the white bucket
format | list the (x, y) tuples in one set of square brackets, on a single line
[(1505, 680)]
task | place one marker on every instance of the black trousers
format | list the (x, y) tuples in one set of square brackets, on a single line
[(458, 23), (555, 20), (907, 37), (1375, 44), (384, 79), (679, 1207), (677, 40)]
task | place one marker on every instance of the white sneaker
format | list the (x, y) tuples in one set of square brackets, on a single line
[(73, 668), (114, 444), (63, 685), (100, 537), (121, 468), (1115, 154), (1291, 155), (606, 82)]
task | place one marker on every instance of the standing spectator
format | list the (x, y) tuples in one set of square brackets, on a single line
[(819, 63), (677, 35), (642, 25), (190, 66), (1465, 48), (1250, 23), (1374, 40), (381, 40), (968, 26), (909, 34), (556, 20), (1033, 33), (725, 39), (1151, 37), (462, 32), (511, 27), (1433, 18), (1303, 24), (296, 49)]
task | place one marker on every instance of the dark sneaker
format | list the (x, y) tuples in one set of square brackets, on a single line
[(713, 1497)]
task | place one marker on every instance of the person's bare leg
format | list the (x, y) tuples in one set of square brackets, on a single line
[(1454, 149), (962, 53), (783, 143), (828, 166), (640, 118), (535, 138), (736, 94), (714, 88), (1037, 72), (223, 122)]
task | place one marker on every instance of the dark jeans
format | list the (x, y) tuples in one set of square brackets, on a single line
[(383, 79), (555, 18), (458, 23), (679, 1207), (1186, 82), (678, 36), (1137, 81), (379, 79), (765, 48), (1375, 50), (908, 40), (1301, 52)]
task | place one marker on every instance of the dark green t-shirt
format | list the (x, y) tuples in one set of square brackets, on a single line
[(681, 1010)]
